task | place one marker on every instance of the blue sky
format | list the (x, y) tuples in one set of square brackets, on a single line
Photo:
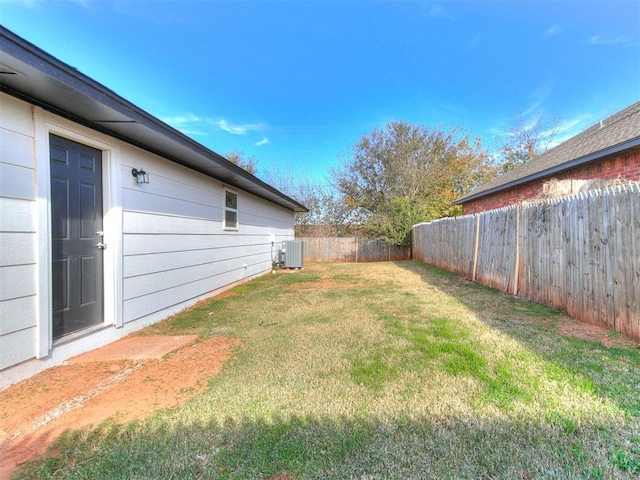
[(296, 83)]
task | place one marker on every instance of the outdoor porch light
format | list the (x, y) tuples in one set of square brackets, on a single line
[(141, 175)]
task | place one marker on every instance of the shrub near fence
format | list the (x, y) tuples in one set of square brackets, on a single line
[(350, 249), (579, 253)]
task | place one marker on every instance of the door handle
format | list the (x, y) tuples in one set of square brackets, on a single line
[(101, 245)]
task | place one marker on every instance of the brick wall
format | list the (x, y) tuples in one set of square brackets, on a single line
[(626, 167)]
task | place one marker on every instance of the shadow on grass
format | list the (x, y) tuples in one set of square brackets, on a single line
[(611, 372), (312, 447), (495, 444)]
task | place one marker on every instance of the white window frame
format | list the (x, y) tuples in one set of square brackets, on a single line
[(228, 209)]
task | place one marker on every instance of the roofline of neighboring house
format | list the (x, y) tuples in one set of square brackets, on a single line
[(49, 76), (601, 154)]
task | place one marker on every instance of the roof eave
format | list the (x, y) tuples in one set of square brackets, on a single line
[(599, 155), (176, 146)]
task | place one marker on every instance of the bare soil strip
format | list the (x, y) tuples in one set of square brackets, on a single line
[(101, 386)]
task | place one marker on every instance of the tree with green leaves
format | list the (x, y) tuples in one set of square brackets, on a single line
[(405, 174)]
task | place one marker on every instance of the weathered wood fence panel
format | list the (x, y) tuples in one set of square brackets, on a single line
[(445, 242), (496, 249), (350, 249), (579, 253)]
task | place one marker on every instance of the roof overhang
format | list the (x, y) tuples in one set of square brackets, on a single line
[(614, 150), (33, 75)]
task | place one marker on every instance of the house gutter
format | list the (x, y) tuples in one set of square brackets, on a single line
[(35, 87), (599, 155)]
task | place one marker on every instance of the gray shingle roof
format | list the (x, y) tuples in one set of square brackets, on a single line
[(615, 134)]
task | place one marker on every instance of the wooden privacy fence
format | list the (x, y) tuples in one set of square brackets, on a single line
[(579, 253), (350, 249)]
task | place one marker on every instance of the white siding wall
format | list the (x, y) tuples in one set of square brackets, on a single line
[(18, 241), (168, 244), (174, 246)]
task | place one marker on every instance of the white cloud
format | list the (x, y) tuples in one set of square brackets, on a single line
[(192, 124), (551, 31), (189, 124), (539, 95), (570, 126), (563, 131), (436, 10), (599, 40), (181, 119), (242, 129), (264, 141)]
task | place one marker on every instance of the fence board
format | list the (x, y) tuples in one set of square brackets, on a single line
[(579, 253), (350, 249), (496, 254), (444, 244)]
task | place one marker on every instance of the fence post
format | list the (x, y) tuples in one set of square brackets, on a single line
[(475, 251), (356, 249), (516, 272)]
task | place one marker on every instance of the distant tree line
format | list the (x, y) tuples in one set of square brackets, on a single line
[(400, 175)]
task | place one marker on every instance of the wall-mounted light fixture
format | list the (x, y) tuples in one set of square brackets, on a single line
[(141, 175)]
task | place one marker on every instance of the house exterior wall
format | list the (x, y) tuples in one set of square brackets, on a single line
[(167, 247), (175, 247), (625, 167), (18, 239)]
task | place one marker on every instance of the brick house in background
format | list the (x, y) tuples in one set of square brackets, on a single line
[(608, 151)]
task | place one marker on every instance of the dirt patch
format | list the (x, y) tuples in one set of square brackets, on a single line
[(585, 331), (325, 284), (225, 294), (136, 347), (281, 476), (34, 412)]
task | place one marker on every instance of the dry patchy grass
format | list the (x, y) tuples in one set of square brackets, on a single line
[(390, 370)]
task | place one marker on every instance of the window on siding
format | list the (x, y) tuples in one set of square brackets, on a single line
[(230, 210)]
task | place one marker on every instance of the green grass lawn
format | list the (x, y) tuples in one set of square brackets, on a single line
[(386, 370)]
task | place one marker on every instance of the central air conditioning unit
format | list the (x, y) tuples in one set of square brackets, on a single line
[(291, 254)]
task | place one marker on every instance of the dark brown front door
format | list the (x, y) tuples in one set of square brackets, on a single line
[(76, 230)]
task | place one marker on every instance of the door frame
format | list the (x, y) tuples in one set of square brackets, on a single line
[(46, 123)]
